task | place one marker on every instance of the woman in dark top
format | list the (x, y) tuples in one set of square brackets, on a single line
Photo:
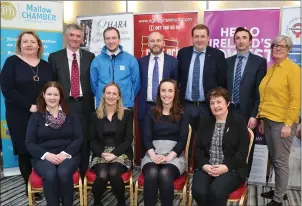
[(111, 135), (165, 136), (221, 149), (22, 78), (54, 139)]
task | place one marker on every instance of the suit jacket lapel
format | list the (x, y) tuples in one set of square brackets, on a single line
[(187, 63), (66, 67), (247, 67), (231, 74), (165, 69), (146, 69), (82, 68)]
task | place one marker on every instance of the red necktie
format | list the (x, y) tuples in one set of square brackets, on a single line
[(75, 78)]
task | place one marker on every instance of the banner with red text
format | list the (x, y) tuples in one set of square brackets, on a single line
[(176, 28), (262, 23)]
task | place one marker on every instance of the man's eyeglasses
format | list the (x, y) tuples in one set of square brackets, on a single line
[(277, 46)]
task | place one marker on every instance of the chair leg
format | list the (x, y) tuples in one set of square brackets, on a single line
[(30, 196), (184, 194), (244, 198), (131, 190), (85, 191), (190, 202), (136, 194), (81, 191)]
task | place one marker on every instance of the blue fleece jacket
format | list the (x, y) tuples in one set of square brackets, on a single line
[(123, 70)]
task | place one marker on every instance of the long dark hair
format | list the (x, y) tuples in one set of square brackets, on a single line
[(176, 109), (41, 104)]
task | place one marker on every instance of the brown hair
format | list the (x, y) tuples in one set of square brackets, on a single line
[(112, 28), (41, 104), (219, 92), (176, 109), (18, 43), (243, 29), (101, 111), (200, 26)]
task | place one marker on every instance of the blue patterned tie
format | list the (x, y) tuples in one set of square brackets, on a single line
[(236, 86), (155, 79), (196, 76)]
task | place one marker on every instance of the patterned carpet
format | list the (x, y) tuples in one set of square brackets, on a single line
[(13, 194)]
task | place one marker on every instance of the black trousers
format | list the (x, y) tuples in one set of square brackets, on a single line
[(214, 191), (78, 107), (25, 167), (58, 180)]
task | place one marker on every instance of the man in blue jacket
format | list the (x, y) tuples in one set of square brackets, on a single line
[(115, 65)]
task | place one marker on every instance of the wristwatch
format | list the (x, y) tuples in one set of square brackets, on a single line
[(287, 125)]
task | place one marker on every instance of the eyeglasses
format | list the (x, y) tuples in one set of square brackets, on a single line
[(277, 46)]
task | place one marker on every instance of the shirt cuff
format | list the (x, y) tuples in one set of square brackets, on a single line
[(68, 155), (45, 154)]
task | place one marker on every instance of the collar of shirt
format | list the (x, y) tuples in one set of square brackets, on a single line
[(204, 50), (246, 55), (70, 53), (282, 64), (116, 52), (161, 56), (60, 108)]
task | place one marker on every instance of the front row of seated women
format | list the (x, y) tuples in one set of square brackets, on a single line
[(54, 138)]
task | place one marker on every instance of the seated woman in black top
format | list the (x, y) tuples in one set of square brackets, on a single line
[(111, 135), (54, 139), (165, 136), (221, 149)]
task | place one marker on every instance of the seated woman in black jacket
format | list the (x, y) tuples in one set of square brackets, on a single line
[(221, 149), (111, 135), (165, 136), (54, 139)]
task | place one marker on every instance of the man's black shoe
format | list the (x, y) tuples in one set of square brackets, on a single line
[(274, 203), (270, 195)]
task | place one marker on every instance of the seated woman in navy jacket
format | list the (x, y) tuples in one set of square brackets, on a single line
[(111, 135), (165, 136), (221, 149), (54, 139)]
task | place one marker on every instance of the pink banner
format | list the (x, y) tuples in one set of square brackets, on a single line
[(262, 23)]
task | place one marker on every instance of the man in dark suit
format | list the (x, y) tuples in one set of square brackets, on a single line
[(245, 72), (153, 68), (71, 68), (200, 68)]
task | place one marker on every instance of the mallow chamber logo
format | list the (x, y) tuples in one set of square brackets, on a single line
[(8, 11)]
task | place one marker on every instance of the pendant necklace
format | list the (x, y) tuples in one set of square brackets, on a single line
[(35, 77)]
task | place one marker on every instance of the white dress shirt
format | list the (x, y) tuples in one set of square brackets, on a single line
[(160, 61), (70, 59)]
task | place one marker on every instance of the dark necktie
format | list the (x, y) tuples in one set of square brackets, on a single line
[(75, 78), (236, 87), (155, 80), (196, 76)]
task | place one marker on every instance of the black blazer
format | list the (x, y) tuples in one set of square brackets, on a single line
[(169, 71), (253, 73), (60, 67), (214, 72), (123, 135), (235, 143)]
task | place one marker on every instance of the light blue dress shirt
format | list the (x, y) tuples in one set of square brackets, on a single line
[(188, 95)]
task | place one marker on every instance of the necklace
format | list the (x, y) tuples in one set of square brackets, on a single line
[(35, 77)]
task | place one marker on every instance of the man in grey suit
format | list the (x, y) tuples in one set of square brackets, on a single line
[(245, 72), (71, 68)]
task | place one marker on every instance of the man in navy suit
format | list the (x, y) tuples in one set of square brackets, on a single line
[(201, 68), (245, 72), (153, 68)]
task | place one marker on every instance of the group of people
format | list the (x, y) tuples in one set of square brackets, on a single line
[(58, 111)]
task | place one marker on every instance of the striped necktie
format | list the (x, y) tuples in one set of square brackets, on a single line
[(196, 77), (155, 79), (236, 86)]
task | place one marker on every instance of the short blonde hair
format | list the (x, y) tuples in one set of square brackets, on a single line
[(288, 41), (18, 43), (101, 111)]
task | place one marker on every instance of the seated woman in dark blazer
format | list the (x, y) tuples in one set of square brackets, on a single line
[(165, 135), (54, 139), (111, 135), (221, 149)]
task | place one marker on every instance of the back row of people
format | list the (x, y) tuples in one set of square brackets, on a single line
[(197, 69)]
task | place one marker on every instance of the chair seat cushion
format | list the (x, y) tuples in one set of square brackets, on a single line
[(178, 183), (36, 180), (90, 175), (236, 195)]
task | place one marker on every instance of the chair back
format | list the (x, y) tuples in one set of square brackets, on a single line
[(251, 136), (187, 147)]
